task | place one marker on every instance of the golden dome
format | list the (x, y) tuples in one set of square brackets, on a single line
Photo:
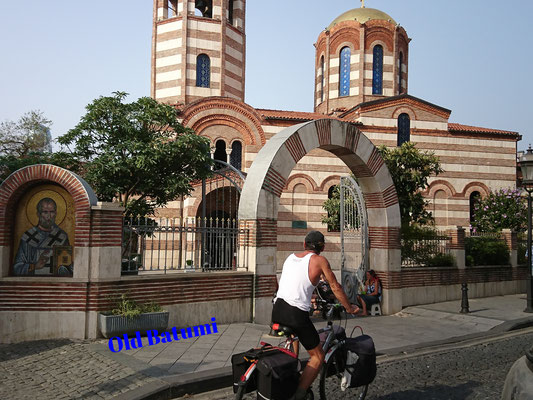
[(362, 15)]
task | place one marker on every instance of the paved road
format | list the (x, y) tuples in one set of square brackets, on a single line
[(471, 372), (474, 372)]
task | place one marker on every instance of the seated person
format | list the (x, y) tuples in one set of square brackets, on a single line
[(373, 291)]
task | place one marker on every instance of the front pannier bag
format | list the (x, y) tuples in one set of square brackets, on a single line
[(364, 370), (277, 376)]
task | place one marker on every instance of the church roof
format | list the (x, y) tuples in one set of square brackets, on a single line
[(292, 115), (393, 99), (453, 127), (362, 15)]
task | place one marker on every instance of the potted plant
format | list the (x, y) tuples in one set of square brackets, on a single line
[(129, 317)]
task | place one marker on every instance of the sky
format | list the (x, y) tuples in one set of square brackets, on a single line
[(471, 56)]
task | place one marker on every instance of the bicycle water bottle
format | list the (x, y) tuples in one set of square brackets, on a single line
[(351, 359)]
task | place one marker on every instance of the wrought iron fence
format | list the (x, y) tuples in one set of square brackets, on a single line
[(426, 250), (174, 245)]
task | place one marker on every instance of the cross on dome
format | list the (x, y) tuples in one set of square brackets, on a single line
[(362, 3)]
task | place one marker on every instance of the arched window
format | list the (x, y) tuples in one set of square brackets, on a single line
[(475, 197), (322, 79), (230, 11), (333, 225), (377, 70), (203, 71), (204, 8), (400, 65), (344, 81), (220, 151), (404, 129), (235, 157)]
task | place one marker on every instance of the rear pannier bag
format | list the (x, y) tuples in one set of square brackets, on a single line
[(277, 376), (364, 370), (239, 365), (241, 362)]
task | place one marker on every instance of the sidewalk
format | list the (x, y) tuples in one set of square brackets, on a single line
[(63, 369)]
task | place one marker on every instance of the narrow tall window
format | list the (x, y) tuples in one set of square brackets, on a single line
[(220, 151), (322, 72), (203, 71), (344, 79), (230, 11), (400, 66), (377, 70), (235, 157), (334, 221), (475, 197), (404, 129)]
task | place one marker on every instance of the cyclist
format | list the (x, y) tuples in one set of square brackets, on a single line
[(299, 277)]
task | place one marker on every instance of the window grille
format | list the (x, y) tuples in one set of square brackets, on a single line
[(344, 82), (377, 76), (203, 71)]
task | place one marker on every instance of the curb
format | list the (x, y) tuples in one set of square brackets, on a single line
[(173, 386)]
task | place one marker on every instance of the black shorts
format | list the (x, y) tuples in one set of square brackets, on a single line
[(298, 320)]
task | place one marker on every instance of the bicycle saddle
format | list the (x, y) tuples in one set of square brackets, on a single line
[(282, 330)]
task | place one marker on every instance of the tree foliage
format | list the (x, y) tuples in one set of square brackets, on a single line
[(30, 134), (410, 169), (501, 209), (137, 152), (11, 163)]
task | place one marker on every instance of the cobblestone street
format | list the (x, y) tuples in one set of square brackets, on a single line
[(62, 369), (471, 373)]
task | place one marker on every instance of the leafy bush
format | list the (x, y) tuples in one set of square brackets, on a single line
[(441, 260), (502, 209), (129, 308), (481, 250)]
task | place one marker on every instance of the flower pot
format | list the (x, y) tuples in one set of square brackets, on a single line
[(113, 325)]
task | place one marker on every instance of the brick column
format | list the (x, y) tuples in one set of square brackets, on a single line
[(511, 240), (456, 245)]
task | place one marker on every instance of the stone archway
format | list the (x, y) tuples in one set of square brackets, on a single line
[(258, 208)]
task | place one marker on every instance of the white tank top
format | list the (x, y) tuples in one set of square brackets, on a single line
[(294, 286)]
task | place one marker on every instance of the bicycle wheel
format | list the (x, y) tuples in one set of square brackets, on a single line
[(330, 380)]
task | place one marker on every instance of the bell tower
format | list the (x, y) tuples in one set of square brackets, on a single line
[(198, 50)]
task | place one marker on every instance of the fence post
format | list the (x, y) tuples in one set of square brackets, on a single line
[(511, 239), (456, 245)]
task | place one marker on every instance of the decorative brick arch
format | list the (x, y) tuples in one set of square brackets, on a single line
[(12, 189), (268, 175), (225, 111)]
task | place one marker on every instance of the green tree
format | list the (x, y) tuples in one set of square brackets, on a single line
[(137, 152), (30, 134), (410, 169), (11, 163), (501, 209)]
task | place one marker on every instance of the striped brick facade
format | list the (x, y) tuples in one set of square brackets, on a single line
[(180, 35), (98, 296)]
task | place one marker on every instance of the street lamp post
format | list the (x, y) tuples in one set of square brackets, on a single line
[(526, 165)]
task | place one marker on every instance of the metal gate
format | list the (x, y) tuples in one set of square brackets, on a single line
[(354, 236), (220, 203)]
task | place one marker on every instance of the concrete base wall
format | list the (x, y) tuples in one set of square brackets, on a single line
[(435, 294), (19, 326)]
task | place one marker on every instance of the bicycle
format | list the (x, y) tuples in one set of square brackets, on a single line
[(334, 372)]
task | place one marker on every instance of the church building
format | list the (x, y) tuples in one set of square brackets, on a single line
[(361, 76)]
